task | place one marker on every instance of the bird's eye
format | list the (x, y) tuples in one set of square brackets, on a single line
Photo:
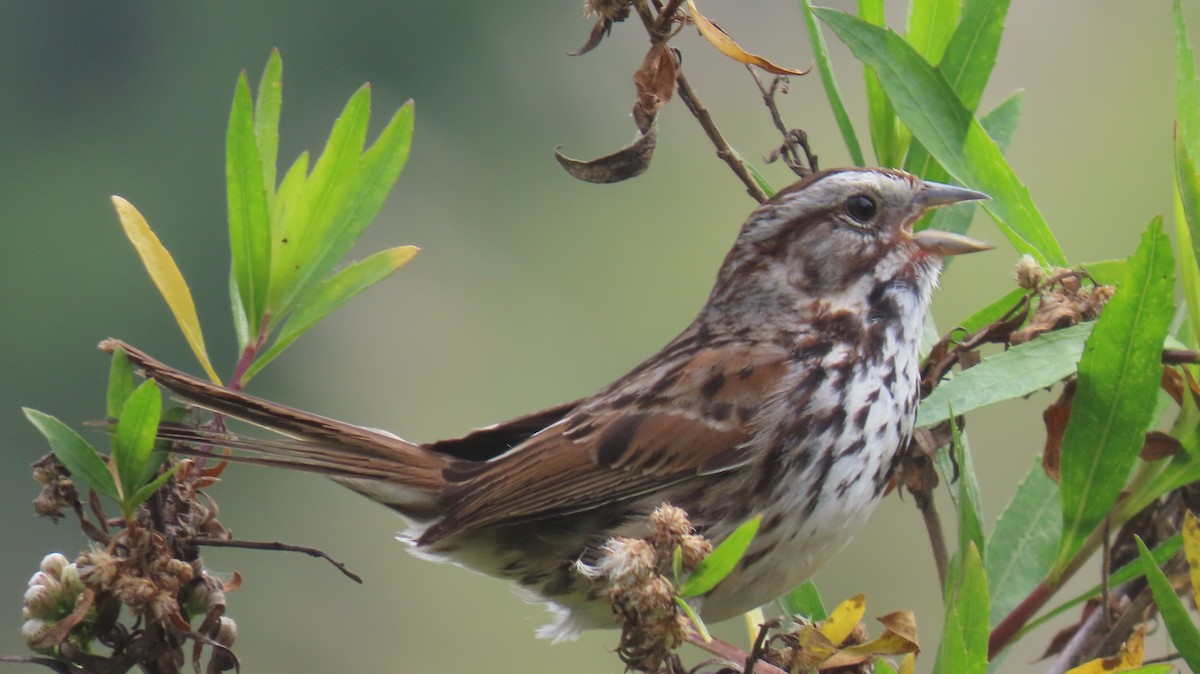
[(861, 208)]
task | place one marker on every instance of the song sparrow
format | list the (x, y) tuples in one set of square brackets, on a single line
[(789, 395)]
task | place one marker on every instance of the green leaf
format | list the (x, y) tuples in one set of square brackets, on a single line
[(1187, 222), (134, 438), (964, 645), (1119, 377), (1024, 541), (147, 490), (1017, 372), (1000, 124), (806, 601), (1134, 569), (833, 92), (249, 219), (881, 118), (266, 120), (1187, 88), (930, 25), (691, 614), (1183, 631), (85, 465), (333, 293), (120, 383), (927, 104), (992, 312), (966, 493), (882, 667), (760, 180), (326, 194), (1160, 668), (718, 564), (378, 170)]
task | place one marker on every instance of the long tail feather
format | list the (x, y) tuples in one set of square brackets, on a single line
[(319, 444)]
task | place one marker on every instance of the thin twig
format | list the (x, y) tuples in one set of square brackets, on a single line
[(1066, 657), (730, 653), (724, 151), (692, 101), (937, 536), (277, 546), (792, 138), (1123, 627)]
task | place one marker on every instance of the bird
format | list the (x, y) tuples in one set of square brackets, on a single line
[(789, 396)]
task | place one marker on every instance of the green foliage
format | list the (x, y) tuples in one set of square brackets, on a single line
[(963, 649), (1024, 541), (1183, 631), (718, 564), (806, 601), (1119, 375)]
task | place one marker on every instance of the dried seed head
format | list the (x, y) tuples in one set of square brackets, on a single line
[(226, 631), (1029, 274), (611, 10)]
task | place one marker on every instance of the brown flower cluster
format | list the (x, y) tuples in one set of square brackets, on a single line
[(1067, 297), (147, 579), (640, 578)]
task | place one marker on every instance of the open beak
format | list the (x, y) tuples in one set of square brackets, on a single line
[(946, 243)]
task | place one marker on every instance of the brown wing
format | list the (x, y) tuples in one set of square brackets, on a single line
[(662, 423)]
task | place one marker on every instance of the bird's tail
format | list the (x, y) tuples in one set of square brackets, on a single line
[(367, 460)]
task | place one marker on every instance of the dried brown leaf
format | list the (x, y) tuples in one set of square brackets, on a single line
[(1056, 416), (628, 162), (1159, 445), (726, 45)]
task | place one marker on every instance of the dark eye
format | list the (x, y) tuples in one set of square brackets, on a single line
[(860, 207)]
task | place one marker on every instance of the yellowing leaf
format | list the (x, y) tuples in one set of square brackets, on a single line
[(1129, 657), (725, 44), (843, 619), (909, 664), (754, 621), (165, 274), (1191, 550)]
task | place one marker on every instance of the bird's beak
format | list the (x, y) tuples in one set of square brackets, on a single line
[(946, 243)]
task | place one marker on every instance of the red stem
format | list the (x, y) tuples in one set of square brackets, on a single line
[(1014, 621)]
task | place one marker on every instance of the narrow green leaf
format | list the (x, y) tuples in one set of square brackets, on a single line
[(927, 104), (1000, 124), (881, 118), (930, 25), (766, 187), (326, 193), (333, 293), (966, 491), (1187, 87), (1160, 668), (1183, 631), (147, 490), (992, 312), (120, 383), (85, 465), (1017, 372), (1187, 222), (1024, 541), (1119, 376), (677, 565), (266, 120), (833, 93), (134, 438), (1134, 569), (806, 601), (377, 172), (249, 219), (971, 52), (691, 614), (721, 561), (964, 645)]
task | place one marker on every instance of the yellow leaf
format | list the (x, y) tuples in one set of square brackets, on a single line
[(754, 621), (1191, 550), (909, 664), (844, 618), (165, 274), (1129, 657), (813, 648), (725, 44)]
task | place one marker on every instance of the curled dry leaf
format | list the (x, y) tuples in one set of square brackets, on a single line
[(1055, 417), (655, 83), (726, 45), (1159, 445)]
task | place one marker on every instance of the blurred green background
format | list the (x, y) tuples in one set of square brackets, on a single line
[(532, 287)]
